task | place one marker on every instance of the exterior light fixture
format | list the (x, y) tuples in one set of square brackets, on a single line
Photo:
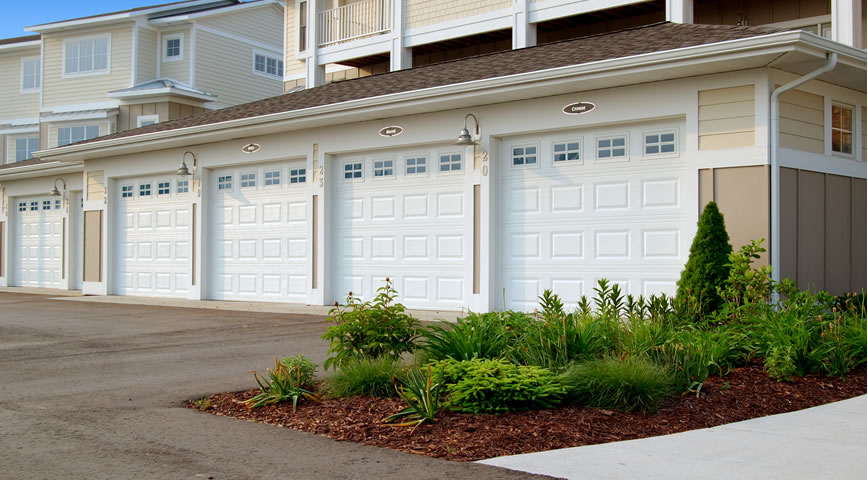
[(182, 170), (464, 137), (54, 191)]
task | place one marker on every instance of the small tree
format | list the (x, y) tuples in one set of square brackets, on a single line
[(706, 268)]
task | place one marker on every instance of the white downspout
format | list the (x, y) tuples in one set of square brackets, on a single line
[(775, 134)]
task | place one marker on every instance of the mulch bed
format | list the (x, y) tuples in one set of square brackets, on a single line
[(745, 393)]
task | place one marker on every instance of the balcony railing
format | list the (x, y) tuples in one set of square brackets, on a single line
[(354, 21)]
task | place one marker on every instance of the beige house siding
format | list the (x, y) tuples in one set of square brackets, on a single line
[(146, 63), (105, 128), (428, 12), (85, 89), (16, 104), (96, 185), (264, 25), (93, 246), (224, 66), (176, 69), (128, 114), (802, 125), (726, 117)]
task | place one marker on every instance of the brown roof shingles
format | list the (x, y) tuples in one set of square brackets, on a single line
[(28, 38)]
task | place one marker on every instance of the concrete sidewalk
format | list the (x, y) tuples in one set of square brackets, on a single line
[(825, 442)]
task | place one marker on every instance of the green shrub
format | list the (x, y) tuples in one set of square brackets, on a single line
[(280, 384), (644, 336), (628, 384), (747, 289), (371, 329), (421, 392), (474, 336), (370, 377), (694, 354), (304, 366), (706, 267), (495, 386)]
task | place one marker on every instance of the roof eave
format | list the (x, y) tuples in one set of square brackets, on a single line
[(107, 18), (28, 171), (163, 91)]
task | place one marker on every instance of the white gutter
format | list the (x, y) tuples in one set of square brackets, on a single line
[(26, 171), (109, 17), (30, 43), (775, 134)]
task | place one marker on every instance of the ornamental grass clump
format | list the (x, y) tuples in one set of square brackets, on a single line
[(371, 377), (280, 384), (421, 392), (626, 384), (474, 336)]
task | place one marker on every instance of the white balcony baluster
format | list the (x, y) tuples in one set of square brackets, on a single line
[(354, 21)]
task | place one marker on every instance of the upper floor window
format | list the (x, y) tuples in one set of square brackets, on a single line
[(24, 148), (67, 135), (302, 26), (267, 65), (86, 55), (173, 47), (31, 74), (145, 120), (842, 129)]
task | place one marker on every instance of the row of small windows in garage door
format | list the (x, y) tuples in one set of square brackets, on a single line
[(224, 183), (606, 148), (34, 206)]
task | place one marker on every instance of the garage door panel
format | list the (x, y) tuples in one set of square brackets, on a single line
[(38, 242)]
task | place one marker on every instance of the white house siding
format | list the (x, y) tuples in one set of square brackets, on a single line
[(85, 89), (178, 69), (146, 63), (16, 104), (225, 68), (263, 25)]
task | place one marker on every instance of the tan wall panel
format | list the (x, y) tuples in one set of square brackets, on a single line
[(726, 125), (798, 97), (123, 118), (798, 112), (93, 246), (789, 223), (223, 64), (95, 185), (726, 95), (837, 261), (706, 188), (858, 235), (477, 240), (16, 104), (726, 117), (812, 226), (802, 129), (146, 64), (162, 109), (727, 140), (742, 193), (802, 143), (726, 110)]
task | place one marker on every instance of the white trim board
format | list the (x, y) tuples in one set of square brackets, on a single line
[(238, 38)]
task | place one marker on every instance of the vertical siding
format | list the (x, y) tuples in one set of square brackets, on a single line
[(225, 68), (427, 12), (726, 117), (858, 237), (264, 24), (789, 223), (742, 193), (86, 89), (837, 219), (811, 239), (146, 66), (802, 121), (15, 104), (178, 69), (864, 136)]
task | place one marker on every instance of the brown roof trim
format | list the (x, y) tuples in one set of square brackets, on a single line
[(28, 38)]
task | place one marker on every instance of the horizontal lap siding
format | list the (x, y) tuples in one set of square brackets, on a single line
[(96, 185), (263, 25), (16, 104), (428, 12), (225, 68), (86, 89), (726, 117), (180, 69), (801, 120), (146, 68)]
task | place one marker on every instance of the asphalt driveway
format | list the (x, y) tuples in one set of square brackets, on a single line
[(96, 390)]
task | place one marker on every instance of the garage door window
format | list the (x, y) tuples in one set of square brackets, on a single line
[(297, 175), (22, 206), (612, 147), (569, 151), (224, 182), (450, 162), (415, 165), (46, 204), (163, 188), (183, 186), (248, 180), (272, 178), (145, 190), (384, 168), (127, 191), (353, 171), (659, 143), (34, 206), (57, 204), (524, 155)]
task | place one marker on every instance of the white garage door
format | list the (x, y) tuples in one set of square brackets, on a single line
[(402, 214), (579, 206), (258, 233), (39, 242), (153, 237)]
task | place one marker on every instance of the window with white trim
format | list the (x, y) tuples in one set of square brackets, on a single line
[(145, 190), (224, 182), (145, 120), (524, 155), (31, 74), (68, 135), (24, 148), (57, 204), (415, 165), (22, 206), (352, 170), (248, 180), (126, 191), (173, 47), (568, 151), (450, 162), (267, 65), (302, 26), (46, 204), (384, 167), (612, 147), (659, 143), (297, 175), (272, 178), (34, 206), (182, 186), (164, 188), (86, 55), (842, 129)]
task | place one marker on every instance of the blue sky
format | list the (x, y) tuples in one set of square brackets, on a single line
[(22, 13)]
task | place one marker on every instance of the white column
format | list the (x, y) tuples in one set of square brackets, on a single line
[(315, 73), (199, 185), (319, 164), (400, 57), (523, 33), (679, 11), (4, 252), (846, 22)]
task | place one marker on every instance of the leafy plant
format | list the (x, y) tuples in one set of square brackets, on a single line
[(608, 299), (694, 354), (305, 368), (554, 342), (377, 328), (474, 336), (278, 385), (706, 267), (496, 386), (746, 289), (364, 376), (421, 392), (202, 404), (626, 384)]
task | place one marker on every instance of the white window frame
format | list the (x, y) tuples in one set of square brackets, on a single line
[(34, 206), (168, 186), (27, 150), (22, 206), (567, 162), (267, 55), (524, 164), (46, 203), (57, 204), (150, 186), (254, 179), (76, 126), (460, 171), (272, 171), (132, 191), (300, 176), (90, 73), (417, 173), (221, 182), (298, 26), (361, 170), (38, 75), (625, 158), (852, 130), (165, 45), (660, 143), (152, 119), (383, 168), (182, 189)]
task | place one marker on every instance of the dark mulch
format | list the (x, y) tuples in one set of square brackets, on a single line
[(745, 393)]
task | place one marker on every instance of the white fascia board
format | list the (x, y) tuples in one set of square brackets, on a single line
[(162, 91), (108, 18), (20, 121), (79, 107), (365, 47), (550, 9), (187, 17), (34, 170), (462, 27), (852, 56), (777, 43), (84, 116), (13, 46), (16, 131)]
